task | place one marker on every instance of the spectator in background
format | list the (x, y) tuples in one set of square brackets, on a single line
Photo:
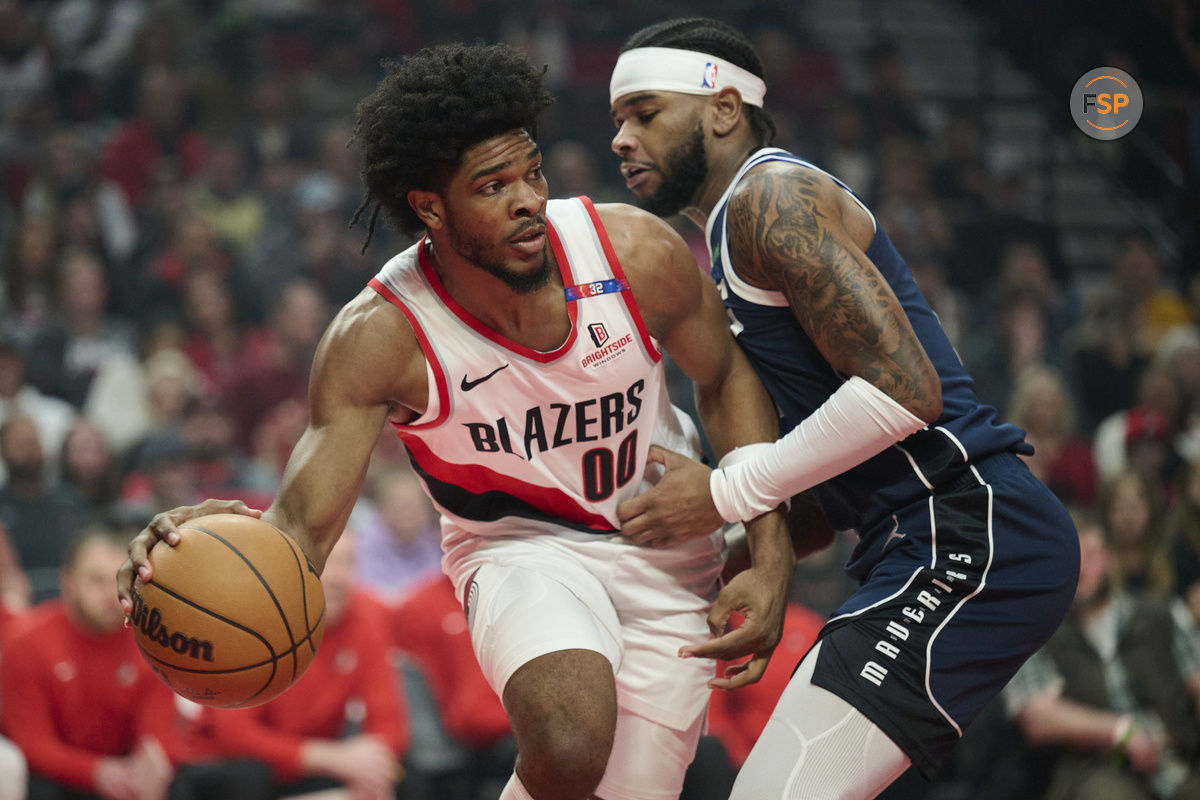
[(26, 70), (204, 766), (84, 339), (90, 39), (1148, 436), (947, 301), (1113, 691), (140, 400), (1017, 338), (40, 517), (16, 592), (224, 195), (907, 207), (399, 537), (297, 319), (802, 74), (222, 470), (1135, 534), (847, 151), (160, 132), (1104, 359), (327, 252), (52, 416), (343, 723), (163, 472), (277, 433), (68, 176), (30, 276), (1137, 274), (890, 106), (159, 216), (1041, 403), (80, 683), (89, 468), (1178, 353), (577, 172), (1183, 537), (217, 333), (959, 174), (272, 128), (1017, 211), (194, 247), (1024, 268), (429, 626)]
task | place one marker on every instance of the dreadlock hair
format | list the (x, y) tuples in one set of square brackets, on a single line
[(429, 109), (716, 38)]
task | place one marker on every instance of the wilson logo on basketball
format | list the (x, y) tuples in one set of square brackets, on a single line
[(149, 621)]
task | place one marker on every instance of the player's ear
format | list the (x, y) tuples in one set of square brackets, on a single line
[(428, 206), (726, 110)]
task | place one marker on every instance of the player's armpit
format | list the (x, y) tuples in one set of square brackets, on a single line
[(787, 233)]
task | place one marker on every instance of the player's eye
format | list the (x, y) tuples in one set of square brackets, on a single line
[(646, 116)]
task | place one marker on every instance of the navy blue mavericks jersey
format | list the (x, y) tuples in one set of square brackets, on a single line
[(800, 379)]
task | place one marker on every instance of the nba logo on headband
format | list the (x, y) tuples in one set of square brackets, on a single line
[(709, 81)]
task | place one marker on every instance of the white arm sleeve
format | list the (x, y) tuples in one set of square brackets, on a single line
[(857, 422)]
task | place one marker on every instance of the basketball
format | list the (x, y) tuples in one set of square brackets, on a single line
[(233, 614)]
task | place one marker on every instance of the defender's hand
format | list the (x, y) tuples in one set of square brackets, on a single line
[(165, 527), (756, 594), (679, 508)]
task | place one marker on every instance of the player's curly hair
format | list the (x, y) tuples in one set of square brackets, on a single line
[(716, 38), (429, 109)]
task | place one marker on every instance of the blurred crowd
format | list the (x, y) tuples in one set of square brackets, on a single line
[(176, 179)]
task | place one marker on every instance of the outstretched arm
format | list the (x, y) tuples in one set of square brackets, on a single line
[(367, 367)]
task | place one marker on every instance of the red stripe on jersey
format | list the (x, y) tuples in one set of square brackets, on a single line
[(627, 296), (483, 330), (478, 479), (439, 376)]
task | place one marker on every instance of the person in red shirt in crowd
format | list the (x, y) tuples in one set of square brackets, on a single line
[(737, 718), (429, 626), (74, 686), (205, 766), (159, 133), (343, 723)]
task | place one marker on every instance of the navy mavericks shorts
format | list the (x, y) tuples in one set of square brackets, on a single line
[(970, 582)]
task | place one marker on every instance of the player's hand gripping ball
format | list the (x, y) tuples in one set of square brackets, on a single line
[(233, 614)]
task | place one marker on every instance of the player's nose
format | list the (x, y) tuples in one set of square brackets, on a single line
[(622, 142)]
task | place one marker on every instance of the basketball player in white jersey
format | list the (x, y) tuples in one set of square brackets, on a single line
[(517, 349)]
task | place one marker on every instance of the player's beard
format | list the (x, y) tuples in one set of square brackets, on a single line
[(477, 252), (684, 170)]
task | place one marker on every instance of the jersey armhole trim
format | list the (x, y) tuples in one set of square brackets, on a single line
[(433, 367)]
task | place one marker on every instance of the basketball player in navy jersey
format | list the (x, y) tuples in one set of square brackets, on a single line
[(517, 349), (966, 563)]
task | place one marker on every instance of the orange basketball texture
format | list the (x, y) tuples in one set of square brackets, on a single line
[(233, 614)]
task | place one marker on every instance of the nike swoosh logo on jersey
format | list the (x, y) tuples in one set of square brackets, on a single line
[(467, 385)]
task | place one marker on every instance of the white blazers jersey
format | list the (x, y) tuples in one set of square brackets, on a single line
[(517, 441)]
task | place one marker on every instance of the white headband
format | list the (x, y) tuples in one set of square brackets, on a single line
[(670, 70)]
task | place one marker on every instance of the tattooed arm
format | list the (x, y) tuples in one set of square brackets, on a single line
[(794, 230)]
